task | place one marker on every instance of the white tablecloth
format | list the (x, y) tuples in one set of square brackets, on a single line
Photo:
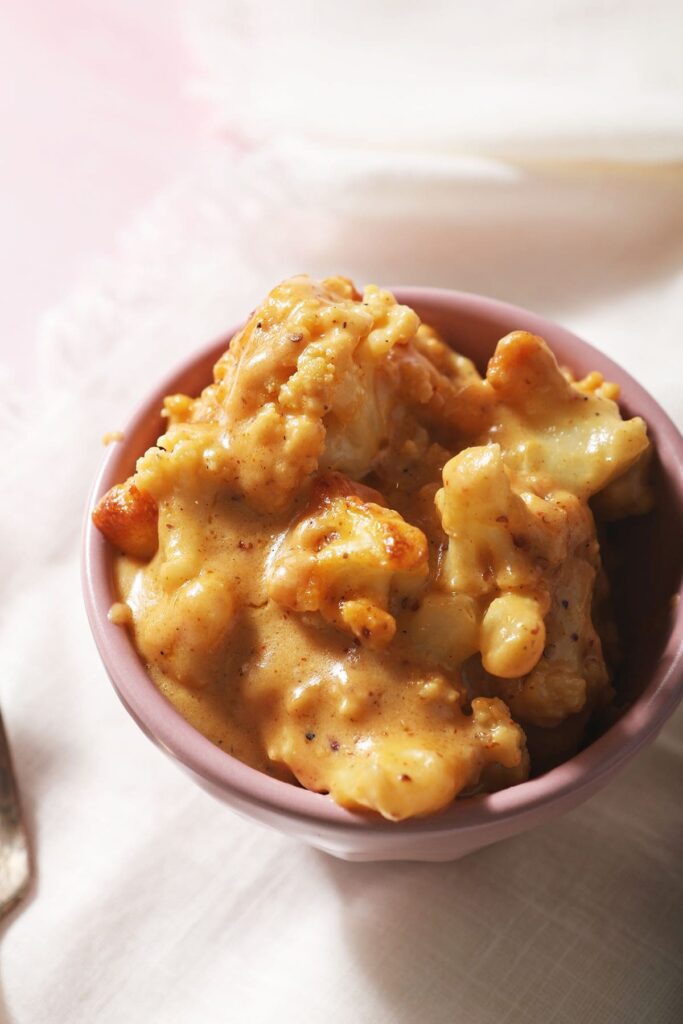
[(155, 904)]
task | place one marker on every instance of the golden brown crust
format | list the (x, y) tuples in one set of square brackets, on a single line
[(345, 558), (128, 519)]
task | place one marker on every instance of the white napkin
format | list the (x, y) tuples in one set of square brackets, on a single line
[(546, 80), (156, 904)]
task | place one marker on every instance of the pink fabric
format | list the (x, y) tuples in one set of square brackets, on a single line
[(95, 119)]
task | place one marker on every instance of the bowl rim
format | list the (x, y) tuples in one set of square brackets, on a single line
[(161, 722)]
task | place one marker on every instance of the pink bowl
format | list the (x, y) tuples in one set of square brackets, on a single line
[(651, 624)]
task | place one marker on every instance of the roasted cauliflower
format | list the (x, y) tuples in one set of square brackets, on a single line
[(358, 564), (346, 558)]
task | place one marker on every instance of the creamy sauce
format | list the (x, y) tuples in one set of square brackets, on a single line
[(354, 563)]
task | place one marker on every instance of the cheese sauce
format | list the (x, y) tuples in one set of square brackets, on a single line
[(355, 564)]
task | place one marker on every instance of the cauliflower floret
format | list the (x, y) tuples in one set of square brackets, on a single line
[(500, 547), (571, 672), (498, 539), (534, 561), (557, 434), (319, 378), (346, 557), (572, 669), (300, 385), (305, 384)]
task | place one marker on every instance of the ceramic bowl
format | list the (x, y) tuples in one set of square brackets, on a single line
[(651, 625)]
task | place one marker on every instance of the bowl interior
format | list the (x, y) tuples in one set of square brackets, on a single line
[(644, 581)]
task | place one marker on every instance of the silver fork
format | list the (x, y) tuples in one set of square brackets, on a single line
[(15, 863)]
